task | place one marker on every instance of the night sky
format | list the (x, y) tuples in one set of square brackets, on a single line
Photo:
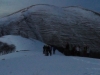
[(10, 6)]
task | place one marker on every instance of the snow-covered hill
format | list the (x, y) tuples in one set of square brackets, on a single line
[(22, 43), (33, 62), (55, 25)]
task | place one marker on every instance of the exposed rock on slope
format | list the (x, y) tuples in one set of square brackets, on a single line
[(55, 25)]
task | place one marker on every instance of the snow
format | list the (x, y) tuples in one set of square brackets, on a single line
[(81, 12), (22, 43), (50, 9), (33, 62)]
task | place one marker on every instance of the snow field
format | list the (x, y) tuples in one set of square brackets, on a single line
[(33, 62)]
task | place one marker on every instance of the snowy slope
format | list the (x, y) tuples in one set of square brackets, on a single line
[(44, 22), (22, 43), (33, 62)]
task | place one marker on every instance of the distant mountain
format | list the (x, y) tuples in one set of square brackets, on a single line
[(55, 25)]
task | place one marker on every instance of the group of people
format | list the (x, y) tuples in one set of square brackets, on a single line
[(48, 50), (71, 50), (76, 50)]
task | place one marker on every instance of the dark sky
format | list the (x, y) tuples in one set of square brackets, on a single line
[(9, 6)]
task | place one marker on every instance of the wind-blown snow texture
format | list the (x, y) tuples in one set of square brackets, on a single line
[(33, 62), (55, 25)]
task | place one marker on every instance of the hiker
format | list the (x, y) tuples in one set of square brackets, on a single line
[(85, 50), (78, 50), (49, 50), (73, 51), (66, 51), (44, 49), (54, 49), (88, 53)]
